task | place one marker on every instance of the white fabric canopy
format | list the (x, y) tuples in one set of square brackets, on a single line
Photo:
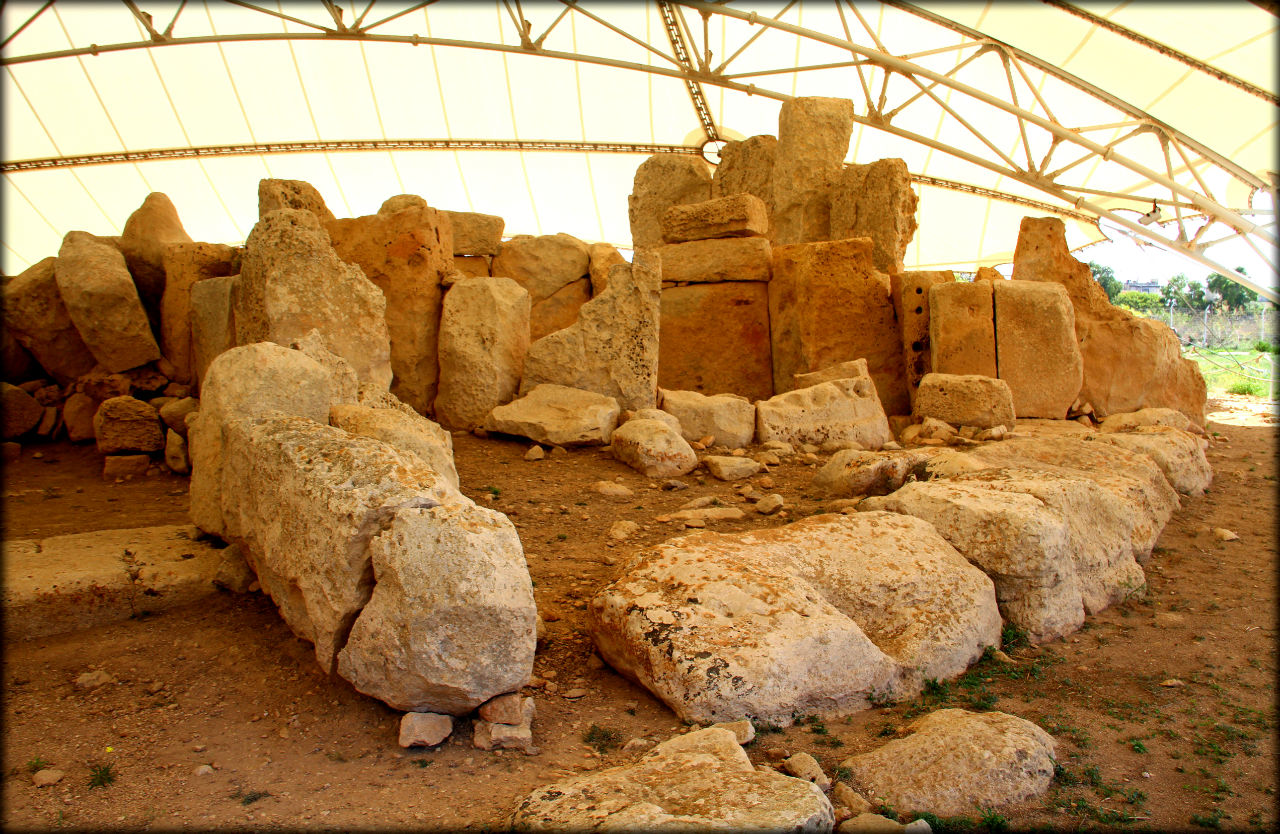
[(541, 111)]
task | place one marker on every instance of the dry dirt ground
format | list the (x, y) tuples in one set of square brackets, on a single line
[(1163, 708)]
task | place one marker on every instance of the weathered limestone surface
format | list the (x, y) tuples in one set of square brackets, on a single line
[(612, 348), (910, 293), (729, 419), (813, 138), (876, 201), (1036, 349), (127, 424), (147, 234), (1129, 420), (545, 265), (407, 432), (484, 336), (292, 282), (698, 781), (557, 416), (77, 415), (1179, 454), (746, 167), (343, 386), (853, 369), (831, 412), (400, 202), (1113, 342), (291, 194), (103, 303), (715, 339), (36, 316), (184, 265), (602, 257), (957, 762), (475, 234), (662, 181), (816, 291), (853, 472), (405, 254), (962, 338), (725, 259), (653, 448), (213, 322), (559, 310), (472, 266), (21, 412), (966, 400), (735, 215)]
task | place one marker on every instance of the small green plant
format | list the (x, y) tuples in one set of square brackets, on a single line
[(101, 775), (1013, 637), (38, 763), (993, 821), (335, 756), (250, 797), (1213, 820), (422, 763), (562, 536), (603, 739), (1137, 745), (765, 727), (494, 491), (887, 729), (843, 774)]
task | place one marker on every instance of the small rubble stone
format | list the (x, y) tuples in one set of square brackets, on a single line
[(804, 766), (744, 731), (731, 468), (126, 424), (175, 453), (125, 466), (709, 514), (867, 823), (503, 709), (46, 777), (424, 729), (770, 504), (234, 572), (535, 452), (613, 489), (93, 679), (851, 799), (203, 770), (623, 530)]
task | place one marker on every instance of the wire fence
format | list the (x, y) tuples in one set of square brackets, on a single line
[(1220, 329)]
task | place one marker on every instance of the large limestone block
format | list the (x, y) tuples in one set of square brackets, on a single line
[(304, 500), (292, 282), (829, 304), (77, 415), (213, 322), (725, 259), (1042, 255), (407, 431), (853, 472), (546, 265), (602, 257), (965, 400), (746, 167), (662, 181), (612, 349), (148, 232), (475, 234), (1130, 420), (962, 337), (1036, 349), (185, 264), (21, 411), (735, 215), (842, 411), (484, 336), (274, 195), (103, 303), (698, 781), (471, 266), (126, 424), (715, 339), (957, 762), (343, 385), (910, 292), (400, 202), (876, 201), (730, 420), (813, 138), (559, 310), (405, 254), (853, 369), (36, 316), (1179, 454), (653, 448), (557, 416), (451, 619), (243, 383)]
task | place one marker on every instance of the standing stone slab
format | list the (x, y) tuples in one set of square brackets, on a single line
[(405, 254), (484, 336), (746, 167), (845, 410), (184, 265), (546, 265), (813, 138), (730, 420), (736, 215), (558, 416), (962, 337), (715, 339), (702, 780), (910, 292), (876, 201), (103, 303), (292, 282), (35, 314), (475, 234), (213, 321), (559, 310), (1036, 349), (662, 181), (957, 762), (828, 304), (443, 646), (612, 349), (726, 259), (148, 232), (602, 257), (274, 195)]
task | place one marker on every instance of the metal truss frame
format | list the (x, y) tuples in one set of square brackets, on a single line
[(1181, 187)]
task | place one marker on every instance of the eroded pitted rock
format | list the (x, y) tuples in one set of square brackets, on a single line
[(484, 337), (653, 448), (841, 410), (35, 314), (728, 419), (965, 400), (662, 181), (1179, 454), (103, 303), (558, 416), (404, 429), (291, 194)]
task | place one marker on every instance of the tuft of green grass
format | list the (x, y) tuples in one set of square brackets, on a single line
[(1013, 637), (1251, 389), (494, 491), (101, 775), (603, 739), (993, 821), (250, 797), (37, 764), (843, 774), (1137, 745), (1213, 820)]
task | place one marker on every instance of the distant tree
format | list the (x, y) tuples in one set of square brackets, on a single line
[(1105, 276), (1234, 297), (1184, 294), (1139, 302)]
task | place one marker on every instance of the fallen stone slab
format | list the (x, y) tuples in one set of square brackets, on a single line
[(79, 581), (730, 468), (555, 415), (404, 429), (728, 419), (957, 762), (1130, 420), (1179, 454), (653, 448), (699, 780), (841, 410)]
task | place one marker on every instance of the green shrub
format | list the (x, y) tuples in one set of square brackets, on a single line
[(1251, 389)]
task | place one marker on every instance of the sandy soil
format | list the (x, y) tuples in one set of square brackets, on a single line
[(1163, 708)]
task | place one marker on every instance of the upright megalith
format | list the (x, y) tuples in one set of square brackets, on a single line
[(484, 336), (292, 282), (102, 301), (555, 269), (213, 322), (962, 336), (612, 349), (1036, 349), (813, 138), (185, 264), (291, 194), (876, 201), (746, 167), (910, 292), (148, 232), (406, 254), (36, 316), (663, 181)]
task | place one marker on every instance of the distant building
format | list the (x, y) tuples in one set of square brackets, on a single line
[(1142, 286)]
